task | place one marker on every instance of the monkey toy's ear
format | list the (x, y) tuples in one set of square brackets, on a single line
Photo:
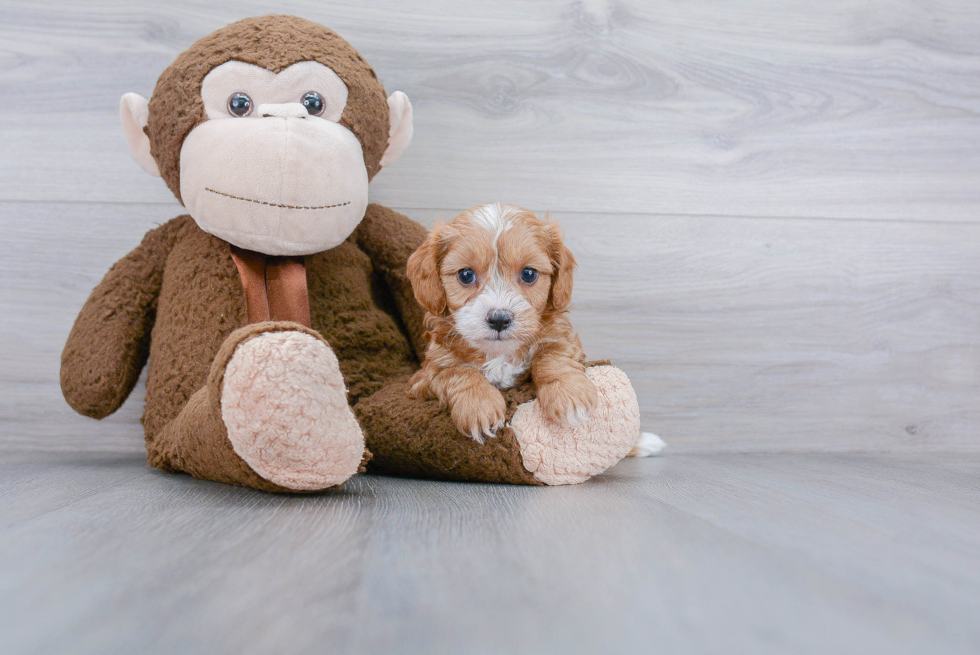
[(134, 111), (400, 132)]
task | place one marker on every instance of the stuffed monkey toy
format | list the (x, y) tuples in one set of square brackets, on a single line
[(276, 315)]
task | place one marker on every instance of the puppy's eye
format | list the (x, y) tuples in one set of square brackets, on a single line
[(529, 276), (239, 104), (466, 277)]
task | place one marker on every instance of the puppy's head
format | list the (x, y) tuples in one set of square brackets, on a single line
[(497, 271)]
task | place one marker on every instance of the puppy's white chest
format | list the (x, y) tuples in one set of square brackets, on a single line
[(502, 373)]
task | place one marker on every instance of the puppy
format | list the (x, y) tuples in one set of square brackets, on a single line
[(496, 283)]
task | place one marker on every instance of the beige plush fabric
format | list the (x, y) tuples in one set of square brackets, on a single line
[(266, 87), (306, 194), (285, 408), (569, 455), (134, 111)]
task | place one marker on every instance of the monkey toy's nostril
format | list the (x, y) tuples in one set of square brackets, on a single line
[(499, 319)]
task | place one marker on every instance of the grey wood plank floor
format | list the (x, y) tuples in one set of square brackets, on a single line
[(776, 210), (724, 553)]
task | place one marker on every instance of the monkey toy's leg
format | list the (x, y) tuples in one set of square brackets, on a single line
[(273, 415), (417, 437)]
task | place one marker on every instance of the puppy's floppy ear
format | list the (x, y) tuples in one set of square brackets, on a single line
[(563, 264), (423, 272)]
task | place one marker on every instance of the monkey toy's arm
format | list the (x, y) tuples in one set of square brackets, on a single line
[(109, 343), (389, 239)]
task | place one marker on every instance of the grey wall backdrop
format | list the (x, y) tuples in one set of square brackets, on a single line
[(774, 203)]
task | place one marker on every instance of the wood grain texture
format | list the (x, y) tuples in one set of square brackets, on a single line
[(738, 334), (753, 108), (775, 209), (684, 554)]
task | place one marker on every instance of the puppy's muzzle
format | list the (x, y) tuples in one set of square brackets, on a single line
[(499, 320)]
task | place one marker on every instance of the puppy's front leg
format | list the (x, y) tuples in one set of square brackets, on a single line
[(477, 407), (565, 392)]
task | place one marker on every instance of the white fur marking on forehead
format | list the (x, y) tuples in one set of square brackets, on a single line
[(494, 217)]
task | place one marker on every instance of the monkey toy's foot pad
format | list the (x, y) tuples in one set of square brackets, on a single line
[(284, 403), (558, 454)]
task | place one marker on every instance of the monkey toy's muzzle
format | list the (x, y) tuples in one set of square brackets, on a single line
[(281, 183)]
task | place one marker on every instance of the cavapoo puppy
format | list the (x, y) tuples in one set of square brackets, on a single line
[(497, 283)]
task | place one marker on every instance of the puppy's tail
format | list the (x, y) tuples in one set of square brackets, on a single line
[(647, 445)]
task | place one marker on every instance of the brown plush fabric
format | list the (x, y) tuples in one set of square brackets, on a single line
[(389, 240), (181, 287), (178, 298), (182, 284), (273, 42), (108, 348), (196, 442), (417, 438), (202, 302)]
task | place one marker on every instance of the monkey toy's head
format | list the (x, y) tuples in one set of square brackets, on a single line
[(268, 132)]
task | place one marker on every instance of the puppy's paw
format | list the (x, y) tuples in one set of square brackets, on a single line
[(420, 384), (568, 401), (479, 412)]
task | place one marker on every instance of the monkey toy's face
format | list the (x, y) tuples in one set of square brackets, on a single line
[(276, 160), (271, 169)]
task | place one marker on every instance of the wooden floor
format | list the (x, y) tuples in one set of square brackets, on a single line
[(726, 553), (776, 209)]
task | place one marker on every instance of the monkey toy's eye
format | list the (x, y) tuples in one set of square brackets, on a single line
[(529, 276), (314, 103), (466, 277), (239, 104)]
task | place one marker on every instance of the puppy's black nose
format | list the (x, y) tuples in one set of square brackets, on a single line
[(499, 319)]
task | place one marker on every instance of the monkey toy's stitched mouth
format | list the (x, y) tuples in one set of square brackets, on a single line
[(273, 204)]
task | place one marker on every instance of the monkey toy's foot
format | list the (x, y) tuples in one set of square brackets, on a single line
[(284, 404), (561, 454)]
